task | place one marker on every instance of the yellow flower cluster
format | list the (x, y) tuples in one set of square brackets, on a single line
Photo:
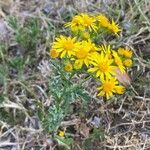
[(85, 22), (82, 22), (81, 52)]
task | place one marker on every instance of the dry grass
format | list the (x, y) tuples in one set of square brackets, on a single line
[(125, 120)]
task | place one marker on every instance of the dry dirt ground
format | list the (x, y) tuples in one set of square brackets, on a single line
[(124, 123)]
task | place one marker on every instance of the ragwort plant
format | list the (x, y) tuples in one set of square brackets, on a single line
[(80, 53)]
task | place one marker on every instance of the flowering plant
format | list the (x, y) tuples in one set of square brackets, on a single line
[(80, 51)]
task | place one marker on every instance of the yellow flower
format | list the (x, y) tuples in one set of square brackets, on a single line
[(102, 65), (82, 22), (68, 67), (118, 61), (128, 62), (61, 133), (88, 22), (127, 53), (109, 87), (54, 53), (77, 65), (114, 28), (121, 51), (65, 46), (83, 54), (103, 20), (120, 89), (76, 23)]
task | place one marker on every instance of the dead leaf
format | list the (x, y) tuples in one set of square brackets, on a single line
[(123, 77), (5, 7), (70, 122), (84, 130), (5, 3)]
